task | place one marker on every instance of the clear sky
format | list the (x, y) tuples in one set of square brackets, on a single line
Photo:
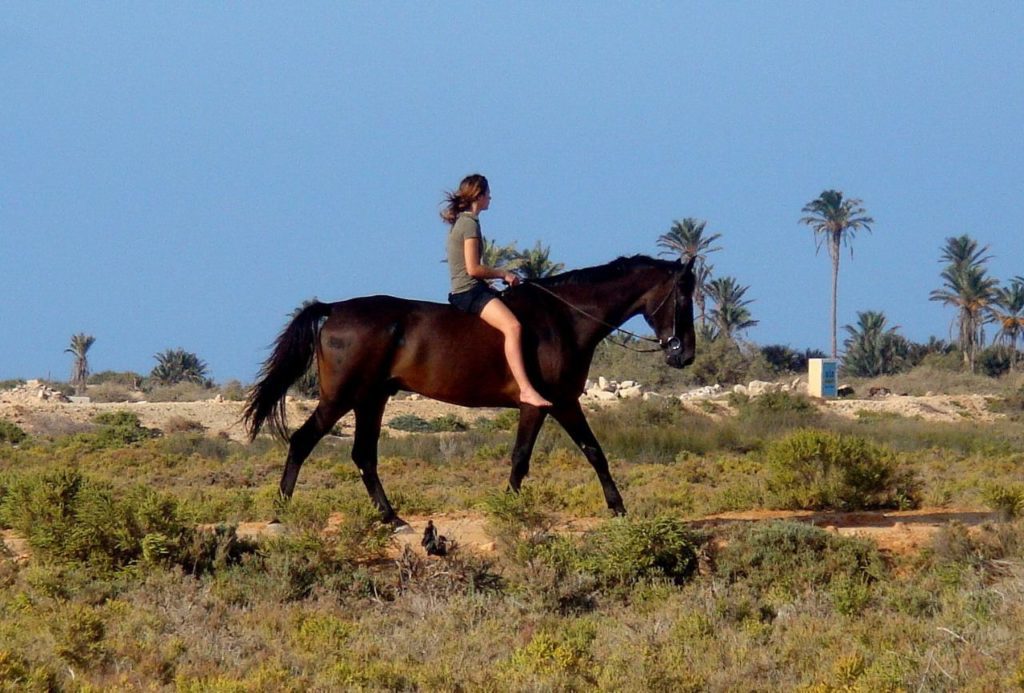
[(185, 174)]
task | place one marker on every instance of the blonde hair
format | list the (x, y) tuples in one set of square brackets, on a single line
[(470, 189)]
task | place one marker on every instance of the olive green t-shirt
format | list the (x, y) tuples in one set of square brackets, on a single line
[(465, 226)]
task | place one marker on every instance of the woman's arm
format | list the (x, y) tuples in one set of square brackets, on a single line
[(479, 271)]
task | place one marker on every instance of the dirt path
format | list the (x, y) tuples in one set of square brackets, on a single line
[(897, 533)]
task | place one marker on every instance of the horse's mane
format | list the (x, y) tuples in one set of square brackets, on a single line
[(611, 270)]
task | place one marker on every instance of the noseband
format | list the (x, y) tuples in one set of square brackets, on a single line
[(672, 346)]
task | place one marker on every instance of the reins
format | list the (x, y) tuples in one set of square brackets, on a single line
[(616, 328)]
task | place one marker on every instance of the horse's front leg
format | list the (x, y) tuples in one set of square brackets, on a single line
[(575, 424), (530, 420), (369, 415)]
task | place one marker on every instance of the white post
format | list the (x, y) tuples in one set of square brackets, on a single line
[(822, 377)]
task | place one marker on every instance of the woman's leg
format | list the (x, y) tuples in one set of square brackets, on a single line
[(497, 315)]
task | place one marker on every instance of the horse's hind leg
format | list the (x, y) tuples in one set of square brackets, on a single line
[(369, 415), (575, 424), (305, 439)]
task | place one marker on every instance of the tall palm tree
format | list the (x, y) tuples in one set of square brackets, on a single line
[(686, 239), (968, 288), (535, 263), (963, 251), (731, 314), (835, 221), (1007, 310), (80, 344), (873, 347)]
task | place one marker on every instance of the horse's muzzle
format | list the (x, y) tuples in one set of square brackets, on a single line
[(679, 360), (675, 355)]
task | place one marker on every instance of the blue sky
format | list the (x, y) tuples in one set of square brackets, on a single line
[(185, 174)]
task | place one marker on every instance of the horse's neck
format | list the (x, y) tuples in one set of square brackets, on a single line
[(604, 306)]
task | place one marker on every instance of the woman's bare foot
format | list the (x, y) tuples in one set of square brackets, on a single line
[(534, 398)]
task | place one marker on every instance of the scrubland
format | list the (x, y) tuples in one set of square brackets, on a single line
[(135, 578)]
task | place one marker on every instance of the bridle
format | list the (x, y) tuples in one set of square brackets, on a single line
[(672, 346)]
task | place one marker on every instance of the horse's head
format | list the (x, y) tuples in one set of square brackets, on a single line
[(668, 309)]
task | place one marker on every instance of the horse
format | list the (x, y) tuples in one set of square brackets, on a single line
[(370, 348)]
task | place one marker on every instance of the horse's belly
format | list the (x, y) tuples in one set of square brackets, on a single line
[(466, 371)]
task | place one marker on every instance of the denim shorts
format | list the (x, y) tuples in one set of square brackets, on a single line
[(474, 300)]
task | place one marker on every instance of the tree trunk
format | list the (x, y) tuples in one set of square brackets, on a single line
[(834, 252)]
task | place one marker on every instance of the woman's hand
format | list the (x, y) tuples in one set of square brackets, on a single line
[(511, 278)]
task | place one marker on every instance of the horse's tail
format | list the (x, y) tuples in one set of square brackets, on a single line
[(292, 357)]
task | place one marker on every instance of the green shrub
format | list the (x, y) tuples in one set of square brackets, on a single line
[(79, 632), (448, 423), (773, 405), (506, 420), (814, 470), (11, 433), (792, 557), (120, 428), (67, 518), (18, 674), (625, 551), (1007, 500), (410, 423)]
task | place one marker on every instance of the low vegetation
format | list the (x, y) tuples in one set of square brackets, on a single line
[(138, 578)]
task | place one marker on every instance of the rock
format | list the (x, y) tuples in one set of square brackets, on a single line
[(414, 397), (604, 395), (845, 391), (489, 547), (759, 387), (602, 382), (630, 392), (626, 384), (739, 389), (648, 396)]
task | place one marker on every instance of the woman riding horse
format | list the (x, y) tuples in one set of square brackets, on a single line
[(369, 348), (470, 291)]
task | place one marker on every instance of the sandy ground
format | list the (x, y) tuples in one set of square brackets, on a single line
[(895, 532), (218, 418), (223, 418)]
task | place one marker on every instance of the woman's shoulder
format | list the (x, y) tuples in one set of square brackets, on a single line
[(466, 222)]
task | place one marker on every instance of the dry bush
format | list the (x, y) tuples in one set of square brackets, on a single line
[(181, 392), (180, 424), (113, 392)]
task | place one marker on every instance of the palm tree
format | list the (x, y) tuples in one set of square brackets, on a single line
[(535, 263), (177, 365), (968, 288), (686, 239), (963, 251), (835, 221), (1007, 310), (494, 255), (731, 314), (873, 348), (80, 344)]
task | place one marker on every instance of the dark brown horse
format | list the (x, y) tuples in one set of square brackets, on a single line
[(369, 348)]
